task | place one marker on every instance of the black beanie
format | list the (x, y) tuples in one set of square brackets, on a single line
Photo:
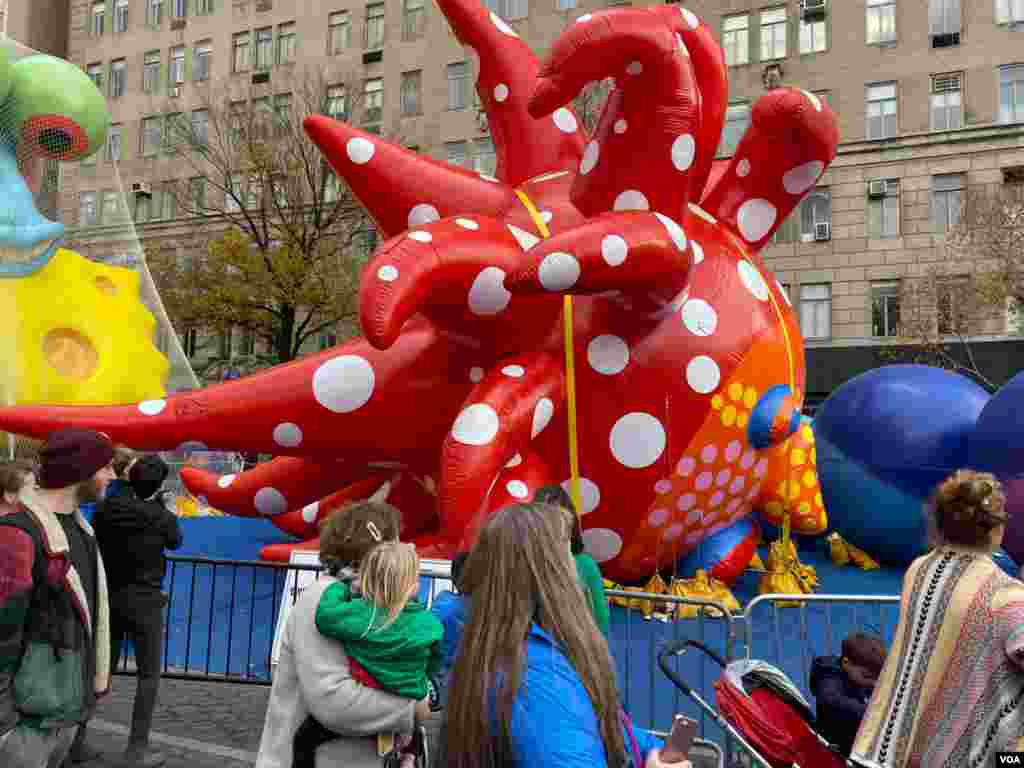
[(72, 456), (147, 475)]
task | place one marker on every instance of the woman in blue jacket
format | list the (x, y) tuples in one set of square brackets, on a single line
[(534, 685)]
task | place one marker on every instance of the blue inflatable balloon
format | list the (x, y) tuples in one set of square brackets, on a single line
[(884, 440)]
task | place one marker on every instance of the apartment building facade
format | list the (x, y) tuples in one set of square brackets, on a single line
[(38, 24), (929, 95)]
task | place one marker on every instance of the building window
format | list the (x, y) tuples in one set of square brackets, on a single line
[(114, 143), (190, 342), (410, 94), (154, 12), (332, 187), (1011, 94), (87, 214), (264, 48), (373, 105), (201, 127), (816, 310), (813, 35), (340, 32), (374, 26), (412, 19), (197, 194), (773, 34), (233, 195), (1009, 11), (99, 11), (946, 102), (152, 135), (485, 160), (737, 120), (95, 73), (885, 309), (881, 21), (110, 213), (118, 78), (944, 22), (881, 114), (180, 9), (143, 204), (337, 103), (364, 242), (240, 48), (946, 201), (736, 39), (121, 16), (201, 61), (952, 305), (151, 72), (286, 43), (566, 5), (816, 216), (512, 10), (456, 153), (884, 208), (177, 70), (458, 85), (204, 7)]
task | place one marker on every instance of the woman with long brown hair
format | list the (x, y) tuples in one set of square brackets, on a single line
[(534, 685)]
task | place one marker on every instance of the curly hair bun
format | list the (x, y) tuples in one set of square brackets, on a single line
[(969, 500)]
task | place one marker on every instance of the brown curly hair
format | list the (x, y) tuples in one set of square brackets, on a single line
[(966, 508), (349, 534), (13, 475)]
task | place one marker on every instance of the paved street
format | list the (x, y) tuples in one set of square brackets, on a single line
[(197, 724)]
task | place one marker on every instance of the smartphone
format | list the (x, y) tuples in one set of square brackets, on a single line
[(677, 747)]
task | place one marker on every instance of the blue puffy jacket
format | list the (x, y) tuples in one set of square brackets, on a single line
[(452, 609), (554, 724)]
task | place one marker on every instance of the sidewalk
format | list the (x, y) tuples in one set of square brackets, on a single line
[(196, 724)]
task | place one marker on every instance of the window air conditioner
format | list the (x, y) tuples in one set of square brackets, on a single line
[(142, 188), (877, 189), (812, 9), (822, 231), (174, 92)]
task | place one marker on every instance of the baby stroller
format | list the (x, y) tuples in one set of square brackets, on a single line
[(762, 710)]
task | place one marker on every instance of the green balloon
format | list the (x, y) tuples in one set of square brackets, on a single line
[(45, 85), (5, 71)]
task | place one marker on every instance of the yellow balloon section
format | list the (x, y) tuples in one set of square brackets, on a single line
[(79, 333)]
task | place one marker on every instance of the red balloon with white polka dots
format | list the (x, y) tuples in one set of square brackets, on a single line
[(459, 380)]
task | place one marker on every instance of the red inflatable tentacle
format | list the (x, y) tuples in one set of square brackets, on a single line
[(282, 553), (513, 404), (645, 144), (633, 252), (272, 488), (399, 188), (792, 139), (508, 69), (521, 477)]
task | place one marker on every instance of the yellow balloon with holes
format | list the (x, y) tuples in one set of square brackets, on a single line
[(79, 333)]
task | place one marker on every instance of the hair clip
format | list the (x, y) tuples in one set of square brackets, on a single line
[(374, 531)]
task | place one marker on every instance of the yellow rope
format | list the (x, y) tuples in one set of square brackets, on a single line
[(570, 366), (792, 389)]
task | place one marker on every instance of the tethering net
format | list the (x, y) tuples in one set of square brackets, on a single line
[(97, 225)]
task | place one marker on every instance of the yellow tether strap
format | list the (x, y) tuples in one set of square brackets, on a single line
[(570, 366), (792, 388)]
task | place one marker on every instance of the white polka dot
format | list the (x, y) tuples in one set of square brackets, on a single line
[(515, 461), (723, 477), (698, 211), (590, 157), (703, 375), (421, 214), (815, 101), (542, 413), (798, 180), (663, 486), (476, 374), (525, 239), (467, 224), (515, 371), (752, 280), (476, 425), (634, 68), (694, 517), (698, 252), (761, 468), (602, 544), (737, 485), (487, 177), (658, 517), (607, 354), (703, 481), (518, 489), (733, 450), (716, 498), (743, 168), (699, 317), (502, 26), (784, 292), (674, 231), (558, 271), (584, 18), (387, 273), (590, 494), (620, 126), (685, 466), (614, 249), (270, 502), (288, 435), (631, 200), (421, 237), (686, 502), (310, 512), (225, 480), (673, 532), (360, 151), (500, 92), (565, 120), (684, 149), (487, 295), (748, 459), (692, 21), (546, 216), (152, 407), (637, 440), (343, 384), (709, 454), (755, 219)]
